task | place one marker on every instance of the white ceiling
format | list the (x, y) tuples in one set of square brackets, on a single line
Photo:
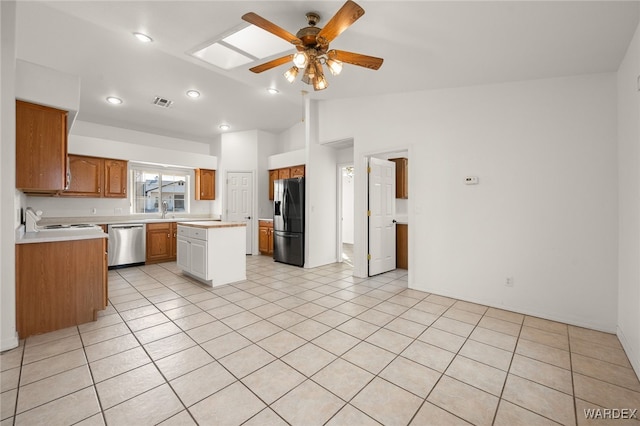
[(425, 45)]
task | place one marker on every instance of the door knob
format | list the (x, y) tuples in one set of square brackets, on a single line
[(394, 221), (247, 217)]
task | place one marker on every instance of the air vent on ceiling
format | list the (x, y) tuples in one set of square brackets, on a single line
[(162, 102)]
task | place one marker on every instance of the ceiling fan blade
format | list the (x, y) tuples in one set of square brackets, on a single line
[(271, 64), (260, 22), (349, 13), (370, 62)]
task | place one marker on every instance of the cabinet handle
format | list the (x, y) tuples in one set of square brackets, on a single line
[(99, 190), (124, 190), (168, 235)]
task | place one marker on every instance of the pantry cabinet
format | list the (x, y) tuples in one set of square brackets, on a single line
[(161, 242), (96, 177), (265, 237), (402, 177), (205, 184), (41, 148), (284, 173)]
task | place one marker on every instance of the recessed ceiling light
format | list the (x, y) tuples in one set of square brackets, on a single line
[(273, 90), (113, 100), (143, 37), (224, 127), (193, 94)]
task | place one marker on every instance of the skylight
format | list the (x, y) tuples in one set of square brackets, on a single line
[(241, 47)]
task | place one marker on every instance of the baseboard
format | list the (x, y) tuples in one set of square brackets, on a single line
[(634, 358), (9, 343), (526, 311)]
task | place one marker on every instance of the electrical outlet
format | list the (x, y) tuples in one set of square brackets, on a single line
[(509, 282)]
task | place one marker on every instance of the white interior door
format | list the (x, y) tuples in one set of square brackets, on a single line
[(382, 210), (239, 202)]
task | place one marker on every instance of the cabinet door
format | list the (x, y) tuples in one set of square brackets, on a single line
[(273, 176), (86, 176), (184, 251), (284, 173), (198, 259), (402, 246), (158, 242), (174, 240), (297, 171), (41, 148), (115, 178), (263, 239), (205, 184)]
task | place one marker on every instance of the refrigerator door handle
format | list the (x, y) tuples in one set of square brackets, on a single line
[(276, 208)]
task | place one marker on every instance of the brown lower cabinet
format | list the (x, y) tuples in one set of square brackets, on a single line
[(161, 242), (402, 246), (59, 284), (265, 237)]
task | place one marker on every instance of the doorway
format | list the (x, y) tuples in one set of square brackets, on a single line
[(240, 203), (346, 217), (399, 217)]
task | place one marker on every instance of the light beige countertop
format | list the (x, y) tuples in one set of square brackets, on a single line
[(55, 235), (212, 224), (264, 219), (108, 220)]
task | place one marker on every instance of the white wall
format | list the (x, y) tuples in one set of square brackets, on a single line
[(267, 146), (320, 195), (10, 199), (248, 151), (545, 211), (629, 202), (85, 128), (292, 139)]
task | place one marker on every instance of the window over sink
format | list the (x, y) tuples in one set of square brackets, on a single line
[(154, 186)]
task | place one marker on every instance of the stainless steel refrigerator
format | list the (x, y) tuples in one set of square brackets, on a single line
[(288, 221)]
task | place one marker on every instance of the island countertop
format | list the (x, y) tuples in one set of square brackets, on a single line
[(212, 224)]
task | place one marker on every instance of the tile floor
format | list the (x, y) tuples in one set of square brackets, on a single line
[(305, 347)]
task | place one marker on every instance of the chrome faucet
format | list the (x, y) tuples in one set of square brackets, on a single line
[(165, 207)]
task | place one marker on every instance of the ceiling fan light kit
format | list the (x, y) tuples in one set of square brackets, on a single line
[(312, 44)]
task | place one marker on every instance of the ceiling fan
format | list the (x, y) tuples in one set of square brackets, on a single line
[(312, 44)]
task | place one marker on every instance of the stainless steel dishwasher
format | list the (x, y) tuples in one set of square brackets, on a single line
[(127, 244)]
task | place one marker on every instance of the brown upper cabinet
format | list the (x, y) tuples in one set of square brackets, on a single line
[(115, 178), (41, 148), (96, 177), (297, 171), (402, 177), (284, 173), (205, 184)]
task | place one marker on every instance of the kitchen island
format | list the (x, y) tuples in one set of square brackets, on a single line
[(213, 252)]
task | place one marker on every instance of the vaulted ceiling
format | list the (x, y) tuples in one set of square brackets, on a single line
[(425, 45)]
